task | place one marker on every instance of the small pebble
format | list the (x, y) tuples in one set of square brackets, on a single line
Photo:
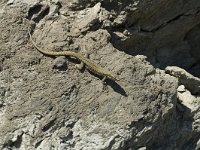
[(60, 62), (181, 88)]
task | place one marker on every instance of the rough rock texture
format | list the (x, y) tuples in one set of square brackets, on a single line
[(191, 83), (45, 103)]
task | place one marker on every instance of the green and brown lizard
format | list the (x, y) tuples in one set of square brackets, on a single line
[(89, 64)]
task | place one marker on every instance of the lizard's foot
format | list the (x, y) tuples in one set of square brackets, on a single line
[(79, 66), (104, 83)]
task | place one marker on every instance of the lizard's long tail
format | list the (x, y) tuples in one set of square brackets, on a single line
[(52, 53), (42, 51)]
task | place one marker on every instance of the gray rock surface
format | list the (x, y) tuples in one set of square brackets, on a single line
[(188, 106), (46, 108), (60, 62), (189, 81)]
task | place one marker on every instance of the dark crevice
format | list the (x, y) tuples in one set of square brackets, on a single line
[(38, 143), (112, 142), (164, 24), (195, 64), (34, 10), (18, 142), (38, 12), (1, 65), (67, 137), (49, 125), (59, 5), (42, 14), (175, 18), (195, 69), (14, 144), (141, 38)]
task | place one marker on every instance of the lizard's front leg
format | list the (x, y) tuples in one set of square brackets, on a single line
[(104, 83)]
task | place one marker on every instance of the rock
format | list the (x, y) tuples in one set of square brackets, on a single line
[(189, 81), (60, 62), (193, 39), (142, 57), (181, 88), (121, 19), (177, 56), (190, 101), (189, 118), (87, 19), (142, 148), (198, 145), (46, 109)]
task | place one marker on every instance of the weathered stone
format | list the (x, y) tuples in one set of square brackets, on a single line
[(181, 88), (189, 81), (60, 62), (46, 109)]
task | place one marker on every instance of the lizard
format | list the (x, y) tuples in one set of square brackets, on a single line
[(89, 64)]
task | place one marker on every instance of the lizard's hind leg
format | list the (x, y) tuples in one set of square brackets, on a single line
[(81, 65)]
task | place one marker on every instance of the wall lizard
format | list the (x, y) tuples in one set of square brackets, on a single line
[(89, 64)]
